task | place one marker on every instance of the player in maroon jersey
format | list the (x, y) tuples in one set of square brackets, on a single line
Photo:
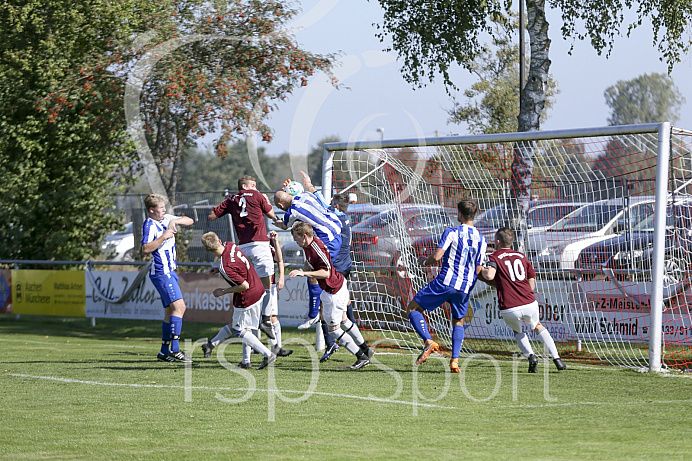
[(514, 278), (247, 290), (334, 297), (247, 209)]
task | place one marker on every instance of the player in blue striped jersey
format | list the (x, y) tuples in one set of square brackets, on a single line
[(326, 225), (461, 251), (158, 239)]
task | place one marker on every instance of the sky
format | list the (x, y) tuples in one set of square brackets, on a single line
[(377, 101)]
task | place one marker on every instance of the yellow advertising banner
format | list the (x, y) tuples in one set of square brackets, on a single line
[(46, 292)]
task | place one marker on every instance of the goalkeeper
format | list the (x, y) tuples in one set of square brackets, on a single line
[(461, 250), (305, 207)]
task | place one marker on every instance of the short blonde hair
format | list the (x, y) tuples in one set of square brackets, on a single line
[(153, 200), (211, 241), (302, 228)]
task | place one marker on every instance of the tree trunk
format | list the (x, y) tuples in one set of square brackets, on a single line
[(532, 105)]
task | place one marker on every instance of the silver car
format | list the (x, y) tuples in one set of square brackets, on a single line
[(559, 246)]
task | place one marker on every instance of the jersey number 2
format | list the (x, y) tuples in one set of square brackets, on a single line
[(243, 204)]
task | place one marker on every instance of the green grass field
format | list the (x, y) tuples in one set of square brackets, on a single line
[(73, 391)]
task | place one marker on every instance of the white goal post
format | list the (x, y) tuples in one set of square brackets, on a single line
[(612, 288)]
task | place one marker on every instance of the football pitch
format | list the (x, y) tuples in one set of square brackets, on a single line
[(73, 391)]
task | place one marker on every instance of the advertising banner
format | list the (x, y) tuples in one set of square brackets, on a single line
[(553, 309), (46, 292), (106, 288), (104, 292)]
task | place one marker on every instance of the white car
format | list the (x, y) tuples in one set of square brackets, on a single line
[(120, 245), (559, 246)]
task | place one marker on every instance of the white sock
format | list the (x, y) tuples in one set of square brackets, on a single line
[(547, 340), (345, 340), (247, 350), (266, 302), (354, 332), (523, 342), (277, 332), (255, 343), (224, 333)]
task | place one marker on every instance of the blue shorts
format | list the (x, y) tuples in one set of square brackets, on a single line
[(167, 286), (435, 294)]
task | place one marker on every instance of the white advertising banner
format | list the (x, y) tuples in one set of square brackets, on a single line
[(104, 290), (104, 287)]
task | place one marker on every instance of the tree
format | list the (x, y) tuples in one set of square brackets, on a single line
[(648, 98), (493, 102), (220, 67), (66, 70), (62, 141), (430, 37)]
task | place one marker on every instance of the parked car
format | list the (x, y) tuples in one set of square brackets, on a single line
[(120, 245), (630, 254), (559, 246), (542, 213), (376, 241), (357, 213)]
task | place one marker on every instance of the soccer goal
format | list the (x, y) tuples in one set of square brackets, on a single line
[(604, 215)]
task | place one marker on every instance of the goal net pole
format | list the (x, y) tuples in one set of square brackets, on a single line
[(659, 247)]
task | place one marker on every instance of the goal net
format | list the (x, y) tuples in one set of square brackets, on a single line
[(582, 203)]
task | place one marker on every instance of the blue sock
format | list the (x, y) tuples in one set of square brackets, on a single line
[(328, 340), (457, 340), (176, 328), (420, 325), (314, 308), (165, 337), (349, 313)]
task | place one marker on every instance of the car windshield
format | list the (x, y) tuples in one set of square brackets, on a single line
[(357, 217), (547, 216), (681, 220), (494, 217), (590, 218)]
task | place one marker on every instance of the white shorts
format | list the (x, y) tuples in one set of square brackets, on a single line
[(514, 316), (273, 308), (247, 318), (260, 255), (334, 306)]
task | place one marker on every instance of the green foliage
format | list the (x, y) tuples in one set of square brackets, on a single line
[(227, 80), (492, 103), (649, 98), (431, 36), (61, 137), (601, 21), (64, 65)]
